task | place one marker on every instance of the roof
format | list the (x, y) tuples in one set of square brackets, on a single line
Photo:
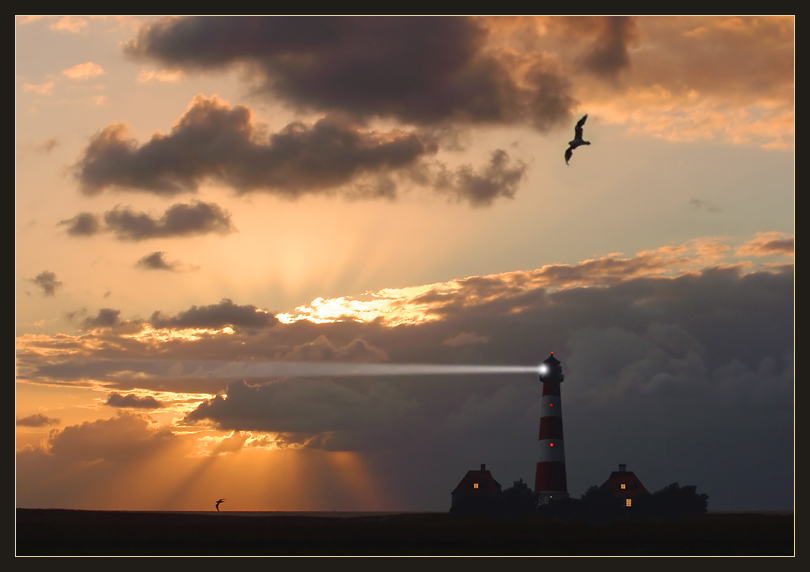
[(624, 484), (477, 483)]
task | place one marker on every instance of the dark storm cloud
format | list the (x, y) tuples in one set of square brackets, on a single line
[(419, 70), (661, 373), (131, 401), (321, 349), (225, 313), (679, 377), (47, 282), (308, 406), (214, 141), (36, 420)]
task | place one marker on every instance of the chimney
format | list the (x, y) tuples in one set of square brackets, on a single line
[(622, 468), (483, 466)]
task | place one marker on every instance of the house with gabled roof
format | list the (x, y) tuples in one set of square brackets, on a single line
[(478, 491), (625, 485)]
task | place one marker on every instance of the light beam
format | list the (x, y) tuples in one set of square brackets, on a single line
[(213, 369)]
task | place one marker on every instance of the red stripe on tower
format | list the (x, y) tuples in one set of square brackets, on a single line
[(549, 480)]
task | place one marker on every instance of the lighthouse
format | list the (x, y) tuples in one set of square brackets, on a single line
[(550, 481)]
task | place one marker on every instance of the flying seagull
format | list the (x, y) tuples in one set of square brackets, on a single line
[(220, 501), (577, 140)]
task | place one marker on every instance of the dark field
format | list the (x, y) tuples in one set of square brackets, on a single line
[(102, 533)]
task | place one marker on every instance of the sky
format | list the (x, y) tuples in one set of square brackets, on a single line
[(312, 263)]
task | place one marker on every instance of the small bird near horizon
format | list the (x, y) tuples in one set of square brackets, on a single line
[(577, 140), (219, 502)]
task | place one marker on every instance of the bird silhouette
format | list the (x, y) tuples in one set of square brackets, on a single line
[(577, 140), (219, 502)]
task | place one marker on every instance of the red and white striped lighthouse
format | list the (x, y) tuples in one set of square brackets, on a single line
[(550, 481)]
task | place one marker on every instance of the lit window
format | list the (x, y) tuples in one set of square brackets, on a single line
[(628, 502), (623, 485), (475, 485)]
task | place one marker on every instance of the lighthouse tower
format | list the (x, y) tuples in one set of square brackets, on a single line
[(549, 479)]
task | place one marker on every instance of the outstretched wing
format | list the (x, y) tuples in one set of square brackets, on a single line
[(578, 128), (568, 153)]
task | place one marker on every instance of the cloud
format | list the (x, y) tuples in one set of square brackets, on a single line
[(48, 146), (72, 24), (36, 420), (83, 224), (609, 53), (768, 243), (321, 349), (84, 71), (43, 88), (119, 439), (418, 70), (465, 339), (131, 401), (216, 316), (499, 178), (106, 318), (726, 78), (157, 261), (47, 281), (160, 76), (667, 368), (214, 141), (308, 407), (700, 205), (649, 363), (178, 220)]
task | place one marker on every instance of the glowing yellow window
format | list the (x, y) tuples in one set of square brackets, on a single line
[(623, 485), (628, 502), (475, 485)]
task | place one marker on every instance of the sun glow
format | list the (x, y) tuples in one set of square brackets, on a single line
[(150, 334)]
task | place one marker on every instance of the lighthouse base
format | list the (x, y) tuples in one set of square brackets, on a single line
[(550, 477)]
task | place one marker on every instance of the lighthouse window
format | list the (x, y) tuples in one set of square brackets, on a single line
[(628, 502), (623, 486)]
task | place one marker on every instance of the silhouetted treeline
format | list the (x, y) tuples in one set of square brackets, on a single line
[(597, 504)]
